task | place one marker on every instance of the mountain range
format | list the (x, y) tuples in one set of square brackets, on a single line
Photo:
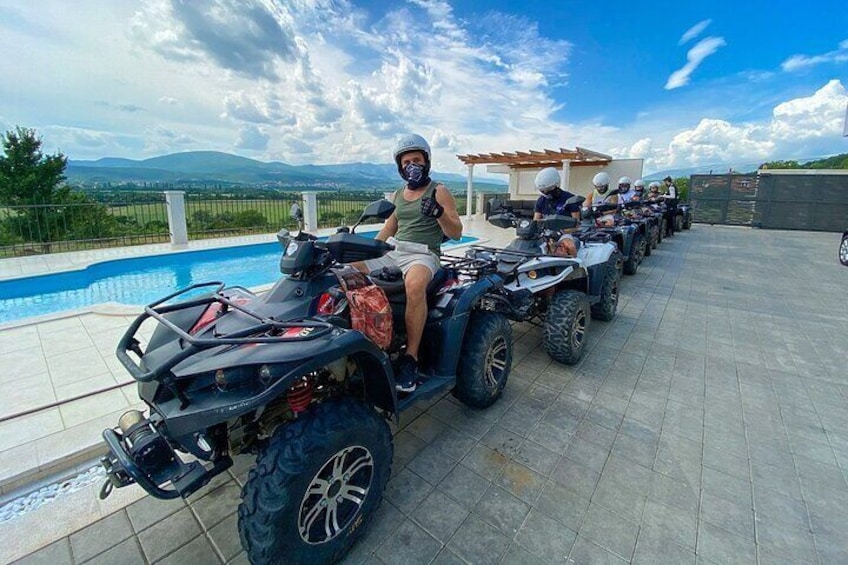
[(202, 168)]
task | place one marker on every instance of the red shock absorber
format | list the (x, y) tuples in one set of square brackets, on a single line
[(300, 396)]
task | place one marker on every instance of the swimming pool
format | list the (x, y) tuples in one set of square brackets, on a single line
[(141, 280)]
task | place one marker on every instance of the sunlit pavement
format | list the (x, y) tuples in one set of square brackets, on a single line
[(706, 422)]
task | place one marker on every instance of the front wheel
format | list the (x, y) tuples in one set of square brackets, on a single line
[(606, 306), (637, 251), (316, 485), (485, 361), (566, 322), (843, 251)]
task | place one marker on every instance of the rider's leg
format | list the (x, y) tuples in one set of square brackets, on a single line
[(416, 280)]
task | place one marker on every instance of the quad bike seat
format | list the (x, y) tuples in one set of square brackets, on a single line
[(390, 279)]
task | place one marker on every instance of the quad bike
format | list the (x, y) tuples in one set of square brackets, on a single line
[(286, 376), (630, 242), (636, 210), (556, 292), (684, 216), (630, 215)]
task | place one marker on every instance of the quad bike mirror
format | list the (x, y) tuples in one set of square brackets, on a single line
[(557, 222), (502, 220), (380, 209), (576, 199), (283, 237)]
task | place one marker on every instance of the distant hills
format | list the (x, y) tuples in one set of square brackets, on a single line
[(212, 168), (829, 162)]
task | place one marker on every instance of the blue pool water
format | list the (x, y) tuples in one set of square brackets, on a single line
[(142, 280)]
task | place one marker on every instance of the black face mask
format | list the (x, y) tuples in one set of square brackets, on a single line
[(415, 176), (553, 194)]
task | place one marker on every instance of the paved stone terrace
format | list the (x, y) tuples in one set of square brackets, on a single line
[(706, 424)]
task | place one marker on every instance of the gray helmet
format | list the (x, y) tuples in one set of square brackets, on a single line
[(411, 142), (654, 186), (624, 185)]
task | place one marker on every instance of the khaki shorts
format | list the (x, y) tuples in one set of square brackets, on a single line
[(404, 260)]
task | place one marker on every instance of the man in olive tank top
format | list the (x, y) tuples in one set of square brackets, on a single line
[(425, 213)]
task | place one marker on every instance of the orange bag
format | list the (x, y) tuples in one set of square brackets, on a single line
[(370, 312)]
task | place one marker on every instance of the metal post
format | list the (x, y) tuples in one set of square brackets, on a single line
[(565, 174), (470, 194), (175, 204)]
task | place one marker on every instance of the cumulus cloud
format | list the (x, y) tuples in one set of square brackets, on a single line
[(694, 57), (246, 37), (799, 62), (798, 128), (252, 138), (168, 101), (694, 31)]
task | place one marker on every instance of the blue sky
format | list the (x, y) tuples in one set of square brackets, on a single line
[(316, 81)]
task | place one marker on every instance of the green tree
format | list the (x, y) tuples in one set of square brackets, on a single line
[(682, 184), (27, 176)]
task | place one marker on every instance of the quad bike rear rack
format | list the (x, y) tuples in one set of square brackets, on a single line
[(261, 332)]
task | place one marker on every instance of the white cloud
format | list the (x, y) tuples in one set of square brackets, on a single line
[(694, 31), (798, 62), (694, 57), (252, 138), (169, 101), (798, 128)]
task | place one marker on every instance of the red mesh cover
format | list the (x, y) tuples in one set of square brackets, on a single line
[(370, 312)]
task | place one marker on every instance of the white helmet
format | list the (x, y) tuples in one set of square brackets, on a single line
[(547, 180), (412, 142), (624, 184), (639, 183), (601, 182), (654, 186)]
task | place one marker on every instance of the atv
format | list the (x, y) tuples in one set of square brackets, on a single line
[(630, 242), (286, 376), (645, 238), (683, 221), (556, 292)]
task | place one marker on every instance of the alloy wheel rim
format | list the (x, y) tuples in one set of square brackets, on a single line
[(843, 251), (495, 362), (578, 329), (335, 495)]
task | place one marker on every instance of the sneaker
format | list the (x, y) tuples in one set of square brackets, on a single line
[(407, 375)]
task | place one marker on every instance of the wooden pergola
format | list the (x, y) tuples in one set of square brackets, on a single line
[(579, 156)]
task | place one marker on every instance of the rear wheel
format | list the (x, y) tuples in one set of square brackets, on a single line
[(485, 361), (678, 222), (605, 308), (316, 485), (843, 251), (566, 322)]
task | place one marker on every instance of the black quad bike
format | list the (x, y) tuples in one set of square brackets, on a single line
[(630, 242), (683, 220), (284, 376), (636, 212), (555, 292)]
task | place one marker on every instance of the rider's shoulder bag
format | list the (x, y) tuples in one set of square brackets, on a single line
[(370, 312)]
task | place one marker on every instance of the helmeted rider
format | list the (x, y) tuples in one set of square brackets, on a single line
[(425, 212), (625, 195), (554, 200), (638, 190), (600, 195), (654, 191)]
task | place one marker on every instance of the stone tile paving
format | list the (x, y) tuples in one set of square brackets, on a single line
[(706, 424)]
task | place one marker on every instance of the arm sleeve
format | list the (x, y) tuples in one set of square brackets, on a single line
[(540, 205)]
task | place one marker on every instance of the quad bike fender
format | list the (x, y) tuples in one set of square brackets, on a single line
[(596, 253), (296, 360), (448, 334)]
